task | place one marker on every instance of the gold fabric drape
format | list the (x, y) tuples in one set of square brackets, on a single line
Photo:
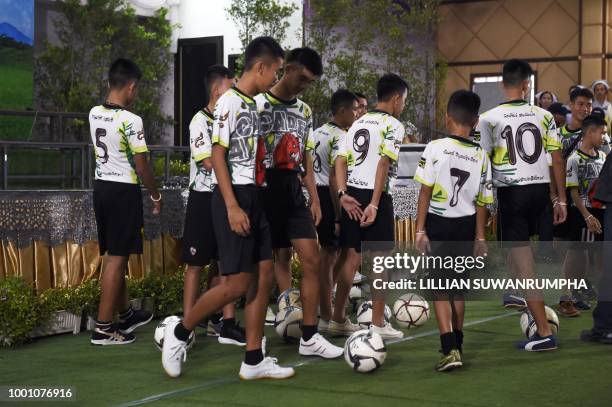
[(68, 264)]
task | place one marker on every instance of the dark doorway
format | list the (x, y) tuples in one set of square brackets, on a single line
[(194, 56)]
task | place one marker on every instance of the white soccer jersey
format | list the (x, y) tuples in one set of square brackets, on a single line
[(583, 172), (116, 135), (459, 171), (326, 139), (286, 127), (235, 127), (373, 135), (200, 142), (518, 136)]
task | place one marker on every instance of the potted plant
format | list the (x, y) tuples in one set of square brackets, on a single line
[(135, 292), (61, 308), (19, 311)]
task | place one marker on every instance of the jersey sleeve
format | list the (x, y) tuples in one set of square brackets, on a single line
[(571, 175), (224, 121), (484, 134), (340, 149), (310, 141), (426, 172), (485, 191), (392, 137), (134, 132), (199, 140), (552, 140)]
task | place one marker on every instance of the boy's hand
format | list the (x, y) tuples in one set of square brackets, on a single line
[(156, 208), (421, 243), (559, 213), (238, 220), (480, 248), (351, 206), (593, 224), (368, 217), (315, 211)]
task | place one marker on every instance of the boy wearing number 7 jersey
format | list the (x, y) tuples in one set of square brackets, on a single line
[(455, 177), (517, 136)]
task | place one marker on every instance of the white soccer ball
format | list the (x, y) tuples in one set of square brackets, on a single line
[(289, 298), (365, 351), (356, 293), (529, 327), (288, 323), (364, 314), (411, 310), (160, 330)]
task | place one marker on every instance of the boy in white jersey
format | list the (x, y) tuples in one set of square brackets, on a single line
[(121, 161), (241, 229), (344, 108), (455, 177), (286, 129), (369, 154), (585, 215), (199, 243), (518, 136)]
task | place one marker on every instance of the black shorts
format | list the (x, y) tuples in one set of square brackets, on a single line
[(452, 237), (286, 209), (519, 211), (199, 242), (237, 253), (382, 230), (579, 232), (327, 227), (119, 219)]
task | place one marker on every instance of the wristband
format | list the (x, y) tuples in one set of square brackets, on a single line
[(341, 192), (373, 206), (481, 240), (588, 217), (156, 200), (420, 232)]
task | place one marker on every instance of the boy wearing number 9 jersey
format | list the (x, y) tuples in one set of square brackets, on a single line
[(455, 174), (517, 136)]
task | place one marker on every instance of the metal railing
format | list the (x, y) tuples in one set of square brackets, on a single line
[(57, 120), (76, 162)]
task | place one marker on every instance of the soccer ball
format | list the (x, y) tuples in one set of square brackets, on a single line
[(160, 329), (365, 351), (288, 323), (364, 314), (356, 293), (529, 327), (289, 298), (411, 310)]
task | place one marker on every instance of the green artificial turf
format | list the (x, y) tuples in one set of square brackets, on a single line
[(494, 374)]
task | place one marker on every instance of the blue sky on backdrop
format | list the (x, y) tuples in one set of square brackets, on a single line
[(19, 13)]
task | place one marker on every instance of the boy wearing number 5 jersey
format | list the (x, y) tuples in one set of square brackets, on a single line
[(517, 136), (455, 174), (369, 154)]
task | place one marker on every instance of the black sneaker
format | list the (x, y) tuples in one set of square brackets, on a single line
[(112, 336), (138, 319), (589, 293), (582, 305), (591, 335), (232, 336)]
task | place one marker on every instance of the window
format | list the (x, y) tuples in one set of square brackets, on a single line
[(489, 88)]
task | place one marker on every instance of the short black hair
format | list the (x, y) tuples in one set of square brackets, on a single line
[(389, 85), (594, 120), (516, 71), (463, 106), (360, 95), (342, 98), (581, 91), (214, 73), (307, 57), (123, 71), (261, 47)]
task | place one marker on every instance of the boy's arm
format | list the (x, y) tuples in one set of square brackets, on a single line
[(310, 184), (382, 171), (148, 180), (421, 239), (560, 208)]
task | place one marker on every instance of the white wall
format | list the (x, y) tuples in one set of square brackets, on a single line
[(206, 18)]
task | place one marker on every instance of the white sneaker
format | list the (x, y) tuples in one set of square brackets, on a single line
[(359, 278), (342, 328), (323, 325), (319, 346), (387, 331), (174, 351), (266, 369), (270, 317)]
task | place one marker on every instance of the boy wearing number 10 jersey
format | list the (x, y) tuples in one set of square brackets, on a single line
[(517, 136)]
